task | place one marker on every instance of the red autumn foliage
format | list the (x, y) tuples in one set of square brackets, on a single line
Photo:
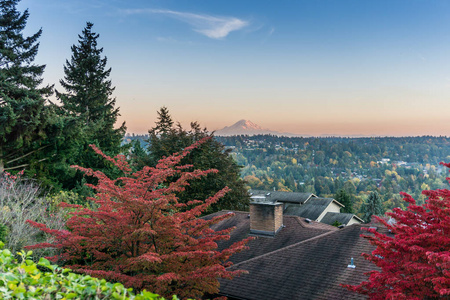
[(141, 236), (413, 261)]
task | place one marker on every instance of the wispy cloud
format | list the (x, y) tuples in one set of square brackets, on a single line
[(211, 26)]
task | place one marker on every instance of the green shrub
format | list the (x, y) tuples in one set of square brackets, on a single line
[(69, 197), (3, 233), (336, 223), (23, 279)]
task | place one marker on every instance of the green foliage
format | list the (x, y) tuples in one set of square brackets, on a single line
[(23, 279), (323, 166), (344, 198), (336, 223), (166, 139), (88, 103), (70, 197), (24, 115), (3, 233), (372, 206)]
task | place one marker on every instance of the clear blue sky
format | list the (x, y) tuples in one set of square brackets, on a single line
[(313, 67)]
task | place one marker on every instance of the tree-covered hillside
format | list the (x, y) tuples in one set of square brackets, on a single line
[(323, 166)]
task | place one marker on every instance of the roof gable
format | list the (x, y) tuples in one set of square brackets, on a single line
[(311, 209), (343, 218)]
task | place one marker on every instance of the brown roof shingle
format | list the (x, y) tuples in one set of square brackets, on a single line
[(296, 230), (311, 269)]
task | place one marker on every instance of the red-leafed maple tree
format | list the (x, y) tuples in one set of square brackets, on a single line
[(414, 260), (141, 236)]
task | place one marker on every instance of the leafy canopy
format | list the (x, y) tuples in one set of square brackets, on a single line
[(143, 236), (414, 261), (342, 196), (166, 138), (21, 278), (372, 206)]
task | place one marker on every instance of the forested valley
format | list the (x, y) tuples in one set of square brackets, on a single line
[(324, 166)]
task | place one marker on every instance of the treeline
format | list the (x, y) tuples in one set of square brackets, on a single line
[(324, 166)]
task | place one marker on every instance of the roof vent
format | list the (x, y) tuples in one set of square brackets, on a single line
[(341, 226), (308, 220), (351, 265)]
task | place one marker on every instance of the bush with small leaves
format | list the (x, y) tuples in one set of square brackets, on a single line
[(23, 279)]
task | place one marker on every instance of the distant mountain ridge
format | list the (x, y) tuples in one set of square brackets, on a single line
[(246, 127)]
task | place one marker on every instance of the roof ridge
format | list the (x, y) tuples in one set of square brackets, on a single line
[(297, 218), (294, 245)]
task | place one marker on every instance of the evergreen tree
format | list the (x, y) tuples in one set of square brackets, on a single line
[(23, 109), (345, 198), (88, 101), (372, 206), (164, 124), (166, 138)]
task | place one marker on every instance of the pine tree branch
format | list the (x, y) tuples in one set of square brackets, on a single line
[(25, 155)]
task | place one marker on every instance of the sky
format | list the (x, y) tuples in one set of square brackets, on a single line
[(317, 67)]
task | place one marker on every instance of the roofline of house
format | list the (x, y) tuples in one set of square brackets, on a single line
[(338, 203), (299, 243), (358, 218)]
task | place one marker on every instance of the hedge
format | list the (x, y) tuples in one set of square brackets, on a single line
[(21, 278)]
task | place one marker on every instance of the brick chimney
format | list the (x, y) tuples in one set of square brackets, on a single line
[(266, 219)]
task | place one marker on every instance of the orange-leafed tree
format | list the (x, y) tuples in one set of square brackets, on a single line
[(142, 236), (414, 259)]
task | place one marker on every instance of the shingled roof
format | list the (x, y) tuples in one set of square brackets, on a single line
[(274, 196), (296, 230), (310, 269), (311, 209), (343, 218)]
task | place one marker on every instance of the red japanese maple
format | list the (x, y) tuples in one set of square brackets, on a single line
[(141, 236), (414, 260)]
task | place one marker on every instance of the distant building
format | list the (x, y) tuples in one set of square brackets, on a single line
[(306, 205), (384, 161)]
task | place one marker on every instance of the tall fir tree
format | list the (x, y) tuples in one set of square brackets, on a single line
[(345, 198), (88, 100), (23, 110), (373, 206), (165, 138)]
